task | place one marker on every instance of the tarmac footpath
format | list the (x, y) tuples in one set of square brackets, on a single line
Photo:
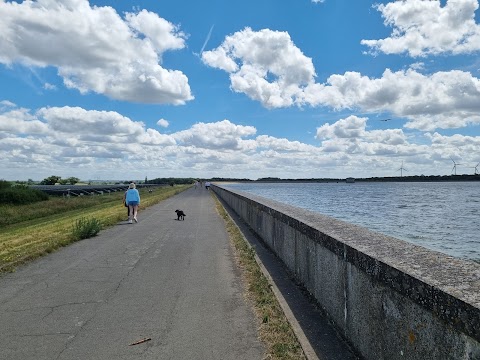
[(170, 285)]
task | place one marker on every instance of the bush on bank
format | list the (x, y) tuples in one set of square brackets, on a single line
[(19, 194), (86, 228)]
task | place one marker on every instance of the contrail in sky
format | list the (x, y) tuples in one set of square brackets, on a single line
[(206, 40)]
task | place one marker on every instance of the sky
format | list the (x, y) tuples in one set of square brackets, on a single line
[(292, 89)]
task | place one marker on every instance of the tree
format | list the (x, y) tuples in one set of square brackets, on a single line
[(72, 180), (51, 180)]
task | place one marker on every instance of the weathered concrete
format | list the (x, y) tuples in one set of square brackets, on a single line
[(389, 298), (317, 336)]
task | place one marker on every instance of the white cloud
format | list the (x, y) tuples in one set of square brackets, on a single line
[(220, 135), (48, 86), (442, 100), (351, 127), (268, 67), (78, 121), (6, 103), (350, 136), (163, 35), (95, 49), (265, 65), (75, 126), (20, 121), (111, 145), (163, 123), (418, 66), (270, 142), (424, 27), (455, 141)]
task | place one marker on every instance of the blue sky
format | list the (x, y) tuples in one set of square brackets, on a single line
[(291, 88)]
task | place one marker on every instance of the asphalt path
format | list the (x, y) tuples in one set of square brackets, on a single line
[(173, 282)]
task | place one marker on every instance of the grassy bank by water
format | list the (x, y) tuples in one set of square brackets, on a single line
[(30, 231)]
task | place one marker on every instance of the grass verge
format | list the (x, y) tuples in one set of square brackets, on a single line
[(275, 330), (49, 224)]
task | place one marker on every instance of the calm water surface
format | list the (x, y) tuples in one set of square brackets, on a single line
[(442, 216)]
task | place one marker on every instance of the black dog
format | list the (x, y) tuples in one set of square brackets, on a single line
[(180, 215)]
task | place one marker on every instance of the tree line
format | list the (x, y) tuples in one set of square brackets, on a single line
[(52, 180)]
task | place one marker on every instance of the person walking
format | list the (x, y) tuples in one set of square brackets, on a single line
[(132, 197), (126, 205)]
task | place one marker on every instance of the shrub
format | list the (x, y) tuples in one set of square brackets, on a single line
[(21, 195), (4, 184), (86, 228)]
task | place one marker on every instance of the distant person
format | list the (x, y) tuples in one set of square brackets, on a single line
[(207, 185), (132, 198), (126, 205)]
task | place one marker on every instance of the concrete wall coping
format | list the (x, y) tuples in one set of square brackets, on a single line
[(445, 285)]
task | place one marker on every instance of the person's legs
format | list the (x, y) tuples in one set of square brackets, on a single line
[(135, 210), (130, 213)]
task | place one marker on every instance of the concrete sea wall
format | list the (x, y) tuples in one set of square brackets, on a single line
[(390, 299)]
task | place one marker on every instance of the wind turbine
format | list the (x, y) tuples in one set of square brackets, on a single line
[(454, 166), (476, 169), (401, 170)]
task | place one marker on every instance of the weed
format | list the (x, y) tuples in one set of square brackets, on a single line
[(86, 228)]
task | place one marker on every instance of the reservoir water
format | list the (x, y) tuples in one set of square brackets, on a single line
[(442, 216)]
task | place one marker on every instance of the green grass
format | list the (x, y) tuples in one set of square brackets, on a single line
[(275, 330), (34, 230), (10, 215)]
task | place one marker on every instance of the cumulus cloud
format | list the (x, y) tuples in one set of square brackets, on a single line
[(163, 123), (265, 65), (424, 27), (455, 141), (282, 145), (269, 68), (20, 121), (219, 135), (75, 126), (350, 136), (351, 127), (78, 121), (106, 142), (95, 49), (442, 100)]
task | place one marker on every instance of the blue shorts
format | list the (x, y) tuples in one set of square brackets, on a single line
[(133, 203)]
